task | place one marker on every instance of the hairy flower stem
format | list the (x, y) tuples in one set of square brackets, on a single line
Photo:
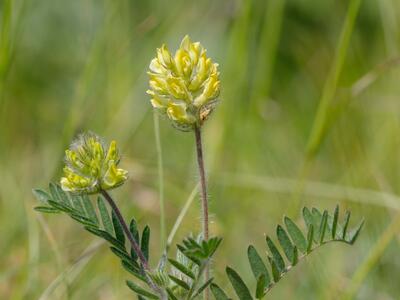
[(204, 200), (132, 241)]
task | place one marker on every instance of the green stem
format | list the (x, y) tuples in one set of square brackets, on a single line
[(204, 200), (160, 179)]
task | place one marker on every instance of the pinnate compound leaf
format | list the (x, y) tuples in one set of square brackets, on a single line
[(241, 290)]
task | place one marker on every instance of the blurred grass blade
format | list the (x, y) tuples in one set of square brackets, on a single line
[(328, 93), (376, 252), (163, 233)]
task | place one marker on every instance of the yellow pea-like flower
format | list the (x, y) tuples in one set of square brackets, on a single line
[(91, 166), (184, 86)]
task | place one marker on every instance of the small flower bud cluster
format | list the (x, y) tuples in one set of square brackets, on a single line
[(91, 166)]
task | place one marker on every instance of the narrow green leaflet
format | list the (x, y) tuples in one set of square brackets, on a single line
[(322, 228), (128, 266), (285, 242), (257, 265), (296, 234), (105, 217), (89, 209), (310, 238), (171, 295), (145, 242), (346, 224), (242, 291), (203, 287), (47, 209), (277, 257), (119, 232), (182, 268), (260, 287), (121, 254), (179, 282), (276, 274), (105, 235), (140, 291), (353, 235), (53, 191), (295, 256), (83, 220), (41, 195), (77, 204), (63, 196), (335, 221), (218, 293)]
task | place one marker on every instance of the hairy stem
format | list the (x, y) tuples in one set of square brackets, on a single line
[(132, 241), (204, 200)]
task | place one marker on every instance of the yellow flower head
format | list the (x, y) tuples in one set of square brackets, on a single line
[(185, 86), (91, 166)]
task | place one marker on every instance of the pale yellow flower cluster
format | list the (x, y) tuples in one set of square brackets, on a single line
[(91, 167), (185, 86)]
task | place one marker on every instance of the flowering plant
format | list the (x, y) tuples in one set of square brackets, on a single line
[(185, 88)]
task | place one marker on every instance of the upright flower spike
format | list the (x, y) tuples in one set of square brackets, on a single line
[(91, 166), (184, 86)]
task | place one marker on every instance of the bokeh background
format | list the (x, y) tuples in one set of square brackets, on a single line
[(309, 115)]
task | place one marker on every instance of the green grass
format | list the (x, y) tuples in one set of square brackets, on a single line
[(298, 77)]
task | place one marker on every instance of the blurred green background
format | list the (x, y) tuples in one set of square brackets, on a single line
[(309, 115)]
